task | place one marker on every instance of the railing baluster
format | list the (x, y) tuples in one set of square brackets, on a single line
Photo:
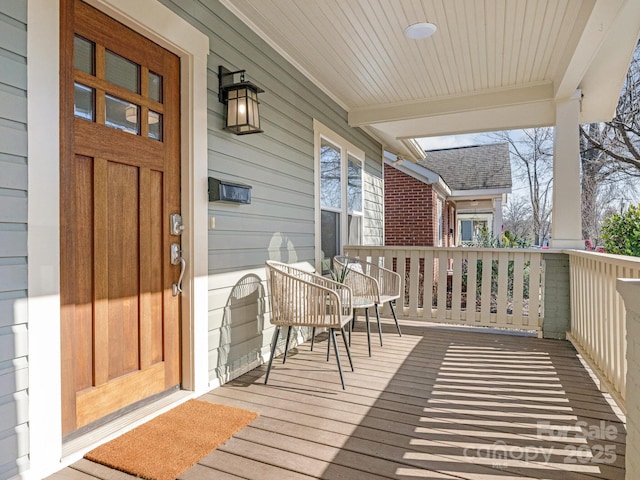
[(485, 288), (503, 284), (428, 284), (401, 268), (472, 272), (388, 263), (442, 283), (456, 286), (535, 290), (414, 276), (518, 288), (614, 333), (620, 320)]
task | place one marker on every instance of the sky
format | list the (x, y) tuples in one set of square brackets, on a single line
[(450, 141), (519, 186), (629, 194)]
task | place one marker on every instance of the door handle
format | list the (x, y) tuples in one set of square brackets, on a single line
[(178, 259)]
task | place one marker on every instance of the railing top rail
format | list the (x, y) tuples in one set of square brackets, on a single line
[(449, 249), (624, 260)]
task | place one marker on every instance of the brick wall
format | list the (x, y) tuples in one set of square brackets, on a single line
[(410, 212)]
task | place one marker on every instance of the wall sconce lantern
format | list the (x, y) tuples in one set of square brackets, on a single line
[(241, 99)]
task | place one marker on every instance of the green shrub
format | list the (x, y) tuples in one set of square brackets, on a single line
[(621, 233)]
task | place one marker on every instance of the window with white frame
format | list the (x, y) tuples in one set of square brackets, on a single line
[(339, 195), (354, 201)]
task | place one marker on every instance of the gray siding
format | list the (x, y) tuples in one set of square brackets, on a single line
[(279, 165), (374, 206), (14, 445)]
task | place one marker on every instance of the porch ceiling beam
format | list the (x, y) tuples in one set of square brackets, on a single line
[(445, 105), (584, 42), (526, 115)]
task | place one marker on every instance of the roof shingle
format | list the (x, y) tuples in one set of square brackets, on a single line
[(475, 167)]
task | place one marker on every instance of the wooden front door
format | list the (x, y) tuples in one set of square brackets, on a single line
[(119, 182)]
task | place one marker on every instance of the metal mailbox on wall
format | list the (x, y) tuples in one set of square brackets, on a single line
[(223, 191)]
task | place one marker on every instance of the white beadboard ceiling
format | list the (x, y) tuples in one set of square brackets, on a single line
[(492, 64)]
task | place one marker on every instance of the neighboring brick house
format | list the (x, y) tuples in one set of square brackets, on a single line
[(446, 199)]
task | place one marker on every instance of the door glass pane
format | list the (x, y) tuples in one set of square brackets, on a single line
[(122, 115), (155, 125), (84, 102), (354, 223), (354, 185), (329, 238), (330, 185), (83, 55), (122, 72), (155, 87)]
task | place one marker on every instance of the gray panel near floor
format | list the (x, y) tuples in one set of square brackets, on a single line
[(557, 296), (14, 406), (279, 165)]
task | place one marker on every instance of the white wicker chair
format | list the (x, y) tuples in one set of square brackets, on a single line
[(303, 299), (374, 282)]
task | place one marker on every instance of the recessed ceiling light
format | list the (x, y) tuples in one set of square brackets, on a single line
[(421, 30)]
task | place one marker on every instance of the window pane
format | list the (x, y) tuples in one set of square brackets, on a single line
[(329, 238), (467, 230), (83, 55), (355, 230), (354, 186), (330, 185), (155, 87), (122, 72), (155, 125), (122, 115), (84, 102)]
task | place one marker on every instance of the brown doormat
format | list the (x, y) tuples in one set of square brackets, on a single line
[(166, 446)]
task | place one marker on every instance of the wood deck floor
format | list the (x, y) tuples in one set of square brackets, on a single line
[(436, 403)]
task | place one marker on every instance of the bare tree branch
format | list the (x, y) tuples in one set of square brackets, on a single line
[(532, 154), (610, 153)]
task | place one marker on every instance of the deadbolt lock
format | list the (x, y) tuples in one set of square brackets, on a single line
[(176, 227)]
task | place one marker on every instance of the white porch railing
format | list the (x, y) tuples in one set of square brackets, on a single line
[(468, 286), (598, 320)]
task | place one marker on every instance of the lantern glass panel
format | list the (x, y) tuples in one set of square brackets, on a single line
[(232, 113), (242, 106), (255, 118)]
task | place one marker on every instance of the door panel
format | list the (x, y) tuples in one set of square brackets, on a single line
[(123, 263), (119, 319)]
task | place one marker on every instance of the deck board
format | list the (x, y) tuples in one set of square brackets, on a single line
[(436, 403)]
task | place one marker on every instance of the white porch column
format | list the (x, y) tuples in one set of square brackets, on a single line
[(497, 218), (566, 229), (630, 291)]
